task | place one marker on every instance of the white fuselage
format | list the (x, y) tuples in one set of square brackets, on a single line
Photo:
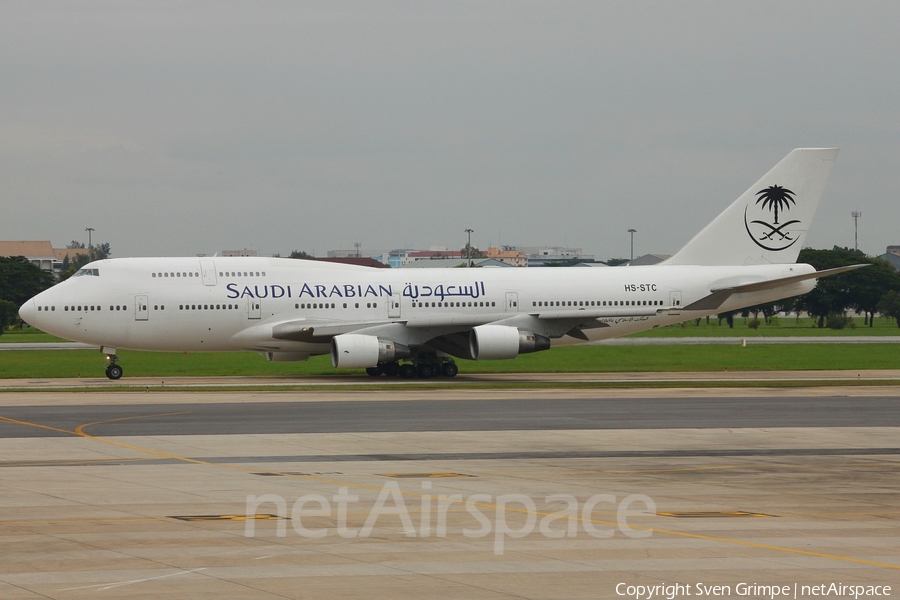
[(228, 304)]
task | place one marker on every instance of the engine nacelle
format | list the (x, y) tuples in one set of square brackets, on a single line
[(498, 342), (353, 350)]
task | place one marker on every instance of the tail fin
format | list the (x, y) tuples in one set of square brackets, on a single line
[(769, 222)]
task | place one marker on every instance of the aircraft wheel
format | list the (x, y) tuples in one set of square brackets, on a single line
[(449, 369), (425, 370), (374, 371), (391, 369), (114, 372), (407, 371)]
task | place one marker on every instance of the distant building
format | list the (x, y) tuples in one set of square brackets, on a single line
[(342, 253), (538, 256), (648, 259), (508, 255), (361, 261), (417, 255), (402, 257), (42, 253), (243, 252), (892, 256), (452, 263)]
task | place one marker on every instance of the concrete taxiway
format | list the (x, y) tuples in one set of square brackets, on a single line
[(404, 493)]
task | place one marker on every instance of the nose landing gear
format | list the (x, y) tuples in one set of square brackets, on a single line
[(113, 370)]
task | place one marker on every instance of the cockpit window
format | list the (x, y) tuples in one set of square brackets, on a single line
[(92, 272)]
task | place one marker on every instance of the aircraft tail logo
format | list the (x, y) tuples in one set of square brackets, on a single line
[(775, 212), (771, 236)]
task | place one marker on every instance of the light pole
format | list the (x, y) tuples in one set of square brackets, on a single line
[(90, 230), (632, 232), (469, 248)]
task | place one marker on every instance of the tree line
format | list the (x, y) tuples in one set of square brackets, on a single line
[(866, 291)]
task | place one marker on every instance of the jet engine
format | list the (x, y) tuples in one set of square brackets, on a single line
[(498, 342), (351, 350)]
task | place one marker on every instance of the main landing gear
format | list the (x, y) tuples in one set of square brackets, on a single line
[(422, 370), (113, 370)]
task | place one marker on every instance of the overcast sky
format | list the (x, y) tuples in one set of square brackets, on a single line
[(182, 128)]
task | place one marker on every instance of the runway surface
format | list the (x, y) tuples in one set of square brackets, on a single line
[(453, 493), (459, 414)]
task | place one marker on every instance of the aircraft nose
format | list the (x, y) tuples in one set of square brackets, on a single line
[(28, 313)]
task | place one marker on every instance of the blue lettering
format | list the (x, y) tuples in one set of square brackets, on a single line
[(305, 290), (232, 291), (335, 291), (371, 290), (277, 291), (264, 294), (384, 291), (246, 292), (320, 291), (349, 292)]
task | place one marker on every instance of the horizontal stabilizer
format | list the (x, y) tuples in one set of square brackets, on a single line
[(719, 296)]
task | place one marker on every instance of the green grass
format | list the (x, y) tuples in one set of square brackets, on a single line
[(37, 364), (28, 335), (780, 327)]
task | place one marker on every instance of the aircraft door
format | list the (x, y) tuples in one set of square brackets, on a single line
[(512, 302), (254, 308), (675, 300), (141, 308), (208, 271), (394, 307)]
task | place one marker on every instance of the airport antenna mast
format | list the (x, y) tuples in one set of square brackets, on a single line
[(856, 215)]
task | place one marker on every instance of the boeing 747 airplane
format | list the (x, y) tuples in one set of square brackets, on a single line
[(413, 322)]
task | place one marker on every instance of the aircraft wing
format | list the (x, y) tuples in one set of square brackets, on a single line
[(419, 329), (720, 295)]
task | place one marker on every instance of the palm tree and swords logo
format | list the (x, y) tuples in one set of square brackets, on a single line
[(772, 236)]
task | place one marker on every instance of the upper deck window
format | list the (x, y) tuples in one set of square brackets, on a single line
[(81, 272)]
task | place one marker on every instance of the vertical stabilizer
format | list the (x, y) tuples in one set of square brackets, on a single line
[(769, 222)]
